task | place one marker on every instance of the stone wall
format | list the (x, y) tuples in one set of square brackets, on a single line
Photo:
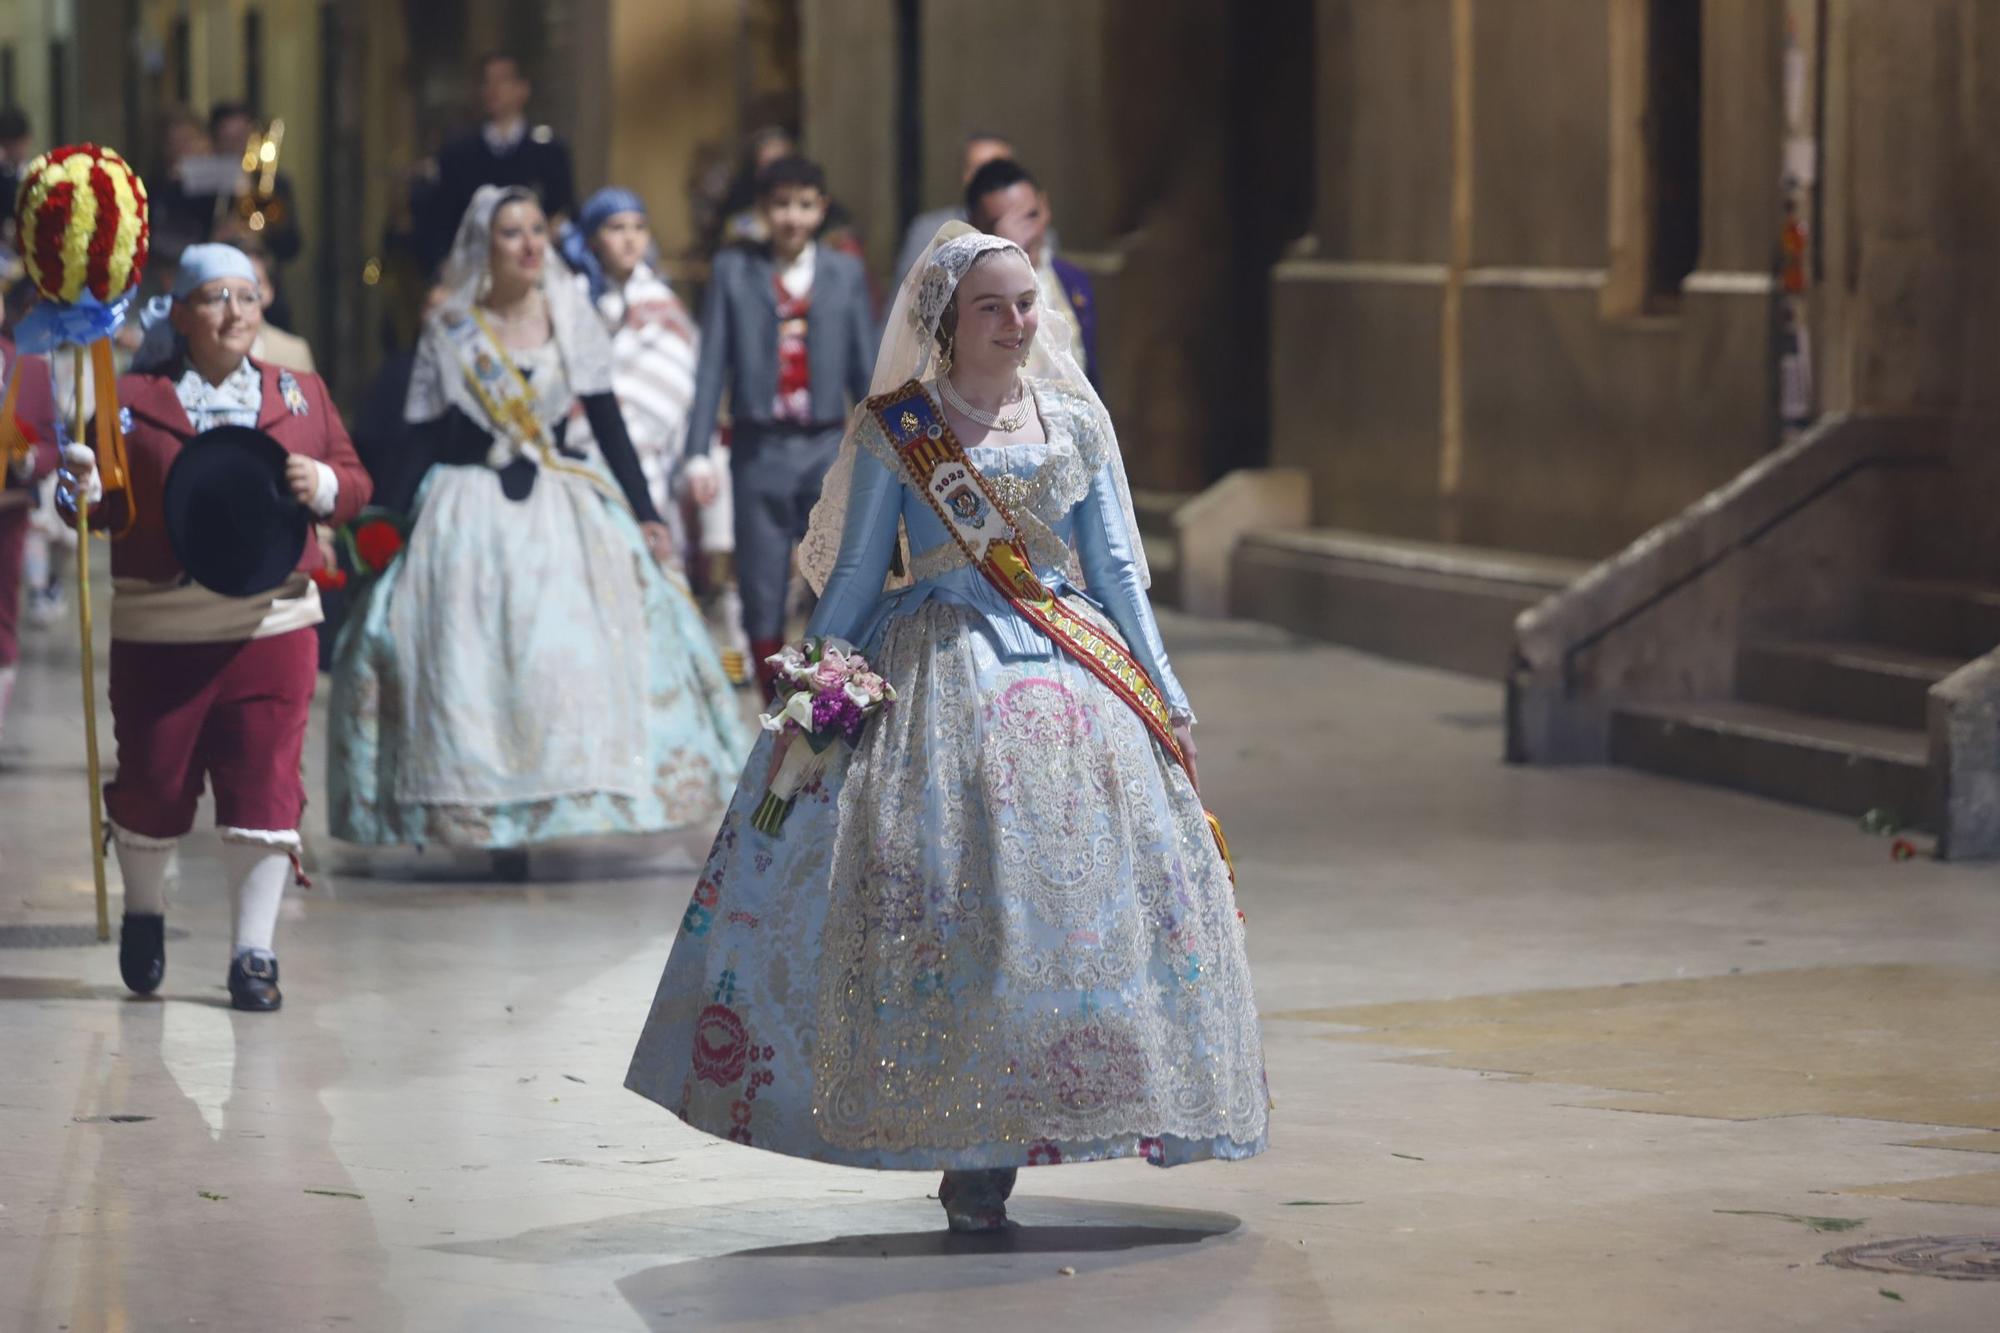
[(1913, 255), (1578, 431)]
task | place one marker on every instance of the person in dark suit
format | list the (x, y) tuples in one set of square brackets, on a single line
[(504, 150), (787, 330), (1004, 199)]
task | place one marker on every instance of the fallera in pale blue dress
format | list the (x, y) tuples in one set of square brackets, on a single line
[(998, 932), (524, 672)]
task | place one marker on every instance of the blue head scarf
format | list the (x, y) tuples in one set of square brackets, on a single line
[(198, 264), (597, 210), (206, 263)]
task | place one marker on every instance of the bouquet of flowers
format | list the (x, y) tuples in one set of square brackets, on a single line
[(370, 544), (834, 692)]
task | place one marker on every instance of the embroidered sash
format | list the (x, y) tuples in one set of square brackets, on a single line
[(937, 465), (510, 404), (500, 388)]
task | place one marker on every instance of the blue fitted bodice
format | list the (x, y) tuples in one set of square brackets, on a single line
[(855, 608)]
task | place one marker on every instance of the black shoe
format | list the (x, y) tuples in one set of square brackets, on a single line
[(253, 983), (142, 951), (976, 1201)]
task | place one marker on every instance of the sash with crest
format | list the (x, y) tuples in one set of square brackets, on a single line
[(937, 465), (500, 388)]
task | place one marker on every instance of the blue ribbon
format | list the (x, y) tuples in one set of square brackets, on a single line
[(52, 325)]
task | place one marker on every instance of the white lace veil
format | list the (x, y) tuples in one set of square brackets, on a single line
[(437, 383), (909, 347)]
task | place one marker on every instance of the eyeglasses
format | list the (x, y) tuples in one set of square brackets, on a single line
[(223, 296)]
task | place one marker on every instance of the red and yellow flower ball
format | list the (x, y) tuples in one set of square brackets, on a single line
[(84, 228)]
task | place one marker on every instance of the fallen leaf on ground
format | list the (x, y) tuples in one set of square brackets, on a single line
[(1816, 1223)]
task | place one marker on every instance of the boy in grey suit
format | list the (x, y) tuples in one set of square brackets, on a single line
[(786, 328)]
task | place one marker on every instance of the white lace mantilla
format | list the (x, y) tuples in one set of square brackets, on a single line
[(438, 383)]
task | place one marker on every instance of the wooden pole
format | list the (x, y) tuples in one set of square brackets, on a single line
[(89, 675)]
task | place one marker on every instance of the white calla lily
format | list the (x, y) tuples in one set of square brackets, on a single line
[(799, 709)]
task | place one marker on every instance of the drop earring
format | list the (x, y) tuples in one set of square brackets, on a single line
[(944, 357)]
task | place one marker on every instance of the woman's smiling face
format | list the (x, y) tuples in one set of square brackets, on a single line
[(998, 305), (520, 243)]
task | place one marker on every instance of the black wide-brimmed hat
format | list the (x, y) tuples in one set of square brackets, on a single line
[(231, 518)]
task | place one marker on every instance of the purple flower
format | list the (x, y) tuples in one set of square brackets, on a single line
[(834, 711)]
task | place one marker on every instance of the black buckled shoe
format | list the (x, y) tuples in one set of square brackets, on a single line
[(253, 983), (142, 951)]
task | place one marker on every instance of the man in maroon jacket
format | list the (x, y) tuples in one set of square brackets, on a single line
[(205, 685)]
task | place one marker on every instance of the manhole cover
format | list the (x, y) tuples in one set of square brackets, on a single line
[(1969, 1258), (62, 937)]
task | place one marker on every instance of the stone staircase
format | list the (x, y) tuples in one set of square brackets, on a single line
[(1837, 723), (1429, 603)]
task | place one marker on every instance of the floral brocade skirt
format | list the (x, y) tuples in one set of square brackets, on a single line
[(523, 673), (997, 933)]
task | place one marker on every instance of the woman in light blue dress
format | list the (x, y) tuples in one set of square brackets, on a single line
[(998, 933), (529, 668)]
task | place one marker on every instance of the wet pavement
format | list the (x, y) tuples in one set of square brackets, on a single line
[(1551, 1049)]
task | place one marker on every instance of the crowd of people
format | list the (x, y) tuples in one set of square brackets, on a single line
[(997, 928)]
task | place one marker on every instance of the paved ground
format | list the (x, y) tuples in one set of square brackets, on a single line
[(1551, 1050)]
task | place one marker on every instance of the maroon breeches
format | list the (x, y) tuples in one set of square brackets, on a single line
[(234, 713)]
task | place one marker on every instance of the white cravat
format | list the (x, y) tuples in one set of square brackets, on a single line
[(797, 278), (504, 140)]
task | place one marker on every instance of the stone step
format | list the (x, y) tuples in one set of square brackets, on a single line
[(1436, 605), (1939, 616), (1832, 764), (1154, 512), (1861, 682)]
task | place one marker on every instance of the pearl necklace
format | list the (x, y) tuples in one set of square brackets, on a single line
[(1000, 421)]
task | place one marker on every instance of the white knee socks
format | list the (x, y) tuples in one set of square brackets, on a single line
[(7, 674), (147, 867), (258, 873)]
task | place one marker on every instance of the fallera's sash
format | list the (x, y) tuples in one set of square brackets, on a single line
[(937, 465), (498, 385)]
